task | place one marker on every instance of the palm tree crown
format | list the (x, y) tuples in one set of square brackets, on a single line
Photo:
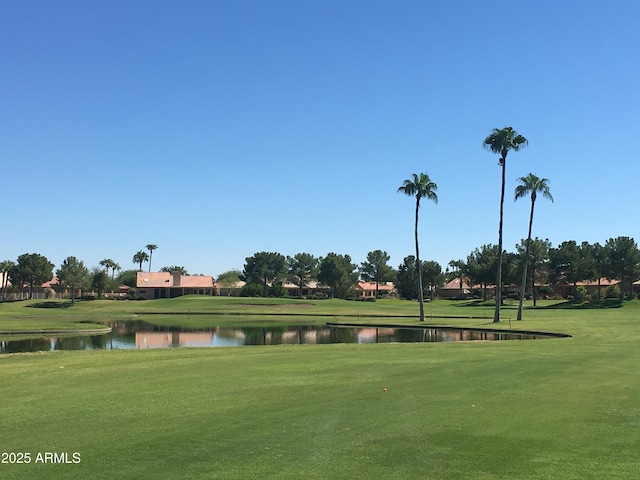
[(501, 140), (419, 186), (151, 247), (533, 185), (140, 257)]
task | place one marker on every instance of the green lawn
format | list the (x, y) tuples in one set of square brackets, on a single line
[(542, 409)]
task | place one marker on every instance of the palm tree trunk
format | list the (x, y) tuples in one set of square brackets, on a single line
[(418, 267), (496, 314), (526, 261)]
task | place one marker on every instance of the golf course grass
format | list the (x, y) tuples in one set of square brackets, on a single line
[(566, 408)]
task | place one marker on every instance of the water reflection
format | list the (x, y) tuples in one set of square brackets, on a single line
[(140, 335)]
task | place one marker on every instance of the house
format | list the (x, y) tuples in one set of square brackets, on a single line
[(308, 289), (457, 288), (152, 285), (368, 289)]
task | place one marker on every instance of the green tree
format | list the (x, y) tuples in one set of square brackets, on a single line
[(482, 264), (229, 278), (432, 277), (376, 269), (530, 185), (140, 257), (407, 280), (623, 262), (99, 281), (538, 261), (599, 265), (128, 278), (571, 263), (109, 264), (419, 186), (339, 273), (32, 269), (5, 268), (264, 268), (73, 274), (501, 141), (151, 247), (174, 269), (302, 268)]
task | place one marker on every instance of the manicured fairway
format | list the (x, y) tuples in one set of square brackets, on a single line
[(556, 409)]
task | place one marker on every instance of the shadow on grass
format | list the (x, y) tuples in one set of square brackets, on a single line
[(590, 304), (51, 305)]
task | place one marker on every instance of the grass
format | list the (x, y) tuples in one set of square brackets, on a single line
[(556, 408)]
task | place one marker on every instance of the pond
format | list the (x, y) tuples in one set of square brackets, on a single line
[(140, 335)]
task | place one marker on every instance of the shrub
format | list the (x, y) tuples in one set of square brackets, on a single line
[(612, 291), (545, 290), (277, 291)]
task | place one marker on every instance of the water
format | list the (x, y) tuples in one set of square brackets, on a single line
[(140, 335)]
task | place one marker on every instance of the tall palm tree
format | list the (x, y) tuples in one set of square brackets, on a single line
[(419, 186), (530, 185), (140, 257), (151, 247), (501, 141)]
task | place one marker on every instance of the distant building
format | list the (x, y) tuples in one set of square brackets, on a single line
[(368, 289), (153, 285)]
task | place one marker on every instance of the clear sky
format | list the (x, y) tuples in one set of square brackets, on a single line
[(218, 129)]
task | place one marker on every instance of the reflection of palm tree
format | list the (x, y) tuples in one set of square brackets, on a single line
[(421, 187), (151, 247), (501, 141), (530, 185), (140, 257)]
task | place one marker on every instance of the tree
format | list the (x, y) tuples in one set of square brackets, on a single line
[(32, 269), (229, 278), (375, 269), (174, 269), (337, 272), (623, 262), (571, 263), (73, 274), (538, 261), (458, 272), (140, 257), (5, 268), (421, 187), (482, 264), (151, 247), (128, 278), (407, 281), (432, 276), (99, 281), (264, 268), (501, 141), (109, 264), (599, 268), (302, 268), (529, 185)]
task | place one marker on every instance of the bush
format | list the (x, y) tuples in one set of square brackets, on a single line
[(545, 290), (251, 290), (612, 291), (277, 291)]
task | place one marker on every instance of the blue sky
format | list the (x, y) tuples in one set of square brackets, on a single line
[(217, 129)]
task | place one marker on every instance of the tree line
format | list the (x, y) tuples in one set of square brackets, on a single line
[(265, 272)]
